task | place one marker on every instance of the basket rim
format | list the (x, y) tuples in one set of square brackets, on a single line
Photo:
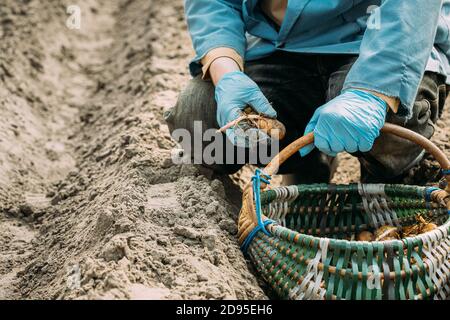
[(441, 231)]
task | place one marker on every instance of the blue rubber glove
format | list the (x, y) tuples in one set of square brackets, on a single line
[(350, 122), (234, 92)]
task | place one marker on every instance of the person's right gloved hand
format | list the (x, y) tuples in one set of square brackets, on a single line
[(234, 92)]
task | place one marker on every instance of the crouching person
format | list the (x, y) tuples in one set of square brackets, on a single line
[(340, 69)]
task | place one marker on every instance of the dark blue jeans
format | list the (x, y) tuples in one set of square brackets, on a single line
[(297, 85)]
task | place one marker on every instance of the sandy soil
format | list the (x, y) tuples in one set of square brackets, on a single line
[(91, 206)]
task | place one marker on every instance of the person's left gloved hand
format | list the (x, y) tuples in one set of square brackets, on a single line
[(350, 122)]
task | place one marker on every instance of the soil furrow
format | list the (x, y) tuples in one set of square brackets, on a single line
[(122, 221)]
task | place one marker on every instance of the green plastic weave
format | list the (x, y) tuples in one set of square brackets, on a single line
[(306, 256)]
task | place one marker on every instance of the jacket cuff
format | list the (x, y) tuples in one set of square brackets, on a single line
[(221, 52)]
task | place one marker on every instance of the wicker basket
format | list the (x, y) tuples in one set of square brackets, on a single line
[(297, 236)]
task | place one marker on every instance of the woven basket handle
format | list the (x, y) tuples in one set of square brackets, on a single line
[(438, 154)]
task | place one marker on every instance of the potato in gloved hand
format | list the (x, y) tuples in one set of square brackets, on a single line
[(234, 92)]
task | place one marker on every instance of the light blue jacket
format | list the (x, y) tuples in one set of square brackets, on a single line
[(396, 43)]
